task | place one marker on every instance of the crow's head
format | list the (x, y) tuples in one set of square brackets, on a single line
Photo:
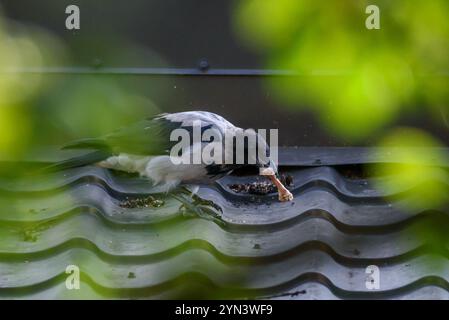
[(256, 151)]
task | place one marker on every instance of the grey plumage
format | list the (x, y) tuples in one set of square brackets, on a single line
[(144, 147)]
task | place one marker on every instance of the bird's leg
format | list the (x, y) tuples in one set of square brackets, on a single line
[(191, 192), (284, 194), (185, 196)]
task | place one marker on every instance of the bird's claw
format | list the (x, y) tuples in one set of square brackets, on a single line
[(206, 210), (200, 202)]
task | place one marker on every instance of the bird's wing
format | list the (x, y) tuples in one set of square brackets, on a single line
[(208, 119), (152, 136), (147, 137)]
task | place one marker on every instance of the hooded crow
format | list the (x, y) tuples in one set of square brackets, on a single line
[(146, 148)]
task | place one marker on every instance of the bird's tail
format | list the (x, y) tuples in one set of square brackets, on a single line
[(79, 161), (87, 144), (101, 152)]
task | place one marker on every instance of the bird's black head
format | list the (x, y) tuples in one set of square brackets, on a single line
[(257, 152)]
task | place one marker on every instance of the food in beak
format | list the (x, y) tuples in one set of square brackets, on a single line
[(284, 194), (261, 187)]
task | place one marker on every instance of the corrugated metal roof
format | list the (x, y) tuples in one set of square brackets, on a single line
[(317, 247)]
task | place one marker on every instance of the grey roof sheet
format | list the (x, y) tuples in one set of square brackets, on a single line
[(317, 247)]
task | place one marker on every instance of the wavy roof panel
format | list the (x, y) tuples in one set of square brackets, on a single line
[(317, 247)]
